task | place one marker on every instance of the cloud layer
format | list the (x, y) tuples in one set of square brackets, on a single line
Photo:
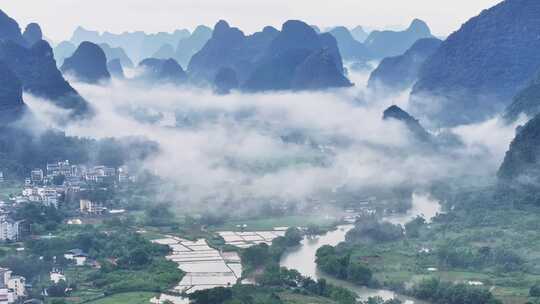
[(285, 146)]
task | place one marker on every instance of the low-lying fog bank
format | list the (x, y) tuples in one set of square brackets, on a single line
[(280, 146)]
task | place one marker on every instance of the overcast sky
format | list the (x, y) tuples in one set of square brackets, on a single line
[(58, 18)]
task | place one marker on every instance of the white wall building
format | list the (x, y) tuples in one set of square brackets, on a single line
[(56, 276), (9, 229), (36, 176), (12, 287)]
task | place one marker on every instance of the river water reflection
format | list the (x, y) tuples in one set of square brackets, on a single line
[(302, 257)]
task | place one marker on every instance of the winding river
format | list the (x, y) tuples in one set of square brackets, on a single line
[(302, 257)]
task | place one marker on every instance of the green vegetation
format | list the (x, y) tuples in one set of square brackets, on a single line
[(8, 189), (370, 229), (268, 223), (264, 256), (435, 291), (271, 294), (126, 298), (342, 266), (121, 261), (22, 151), (486, 239)]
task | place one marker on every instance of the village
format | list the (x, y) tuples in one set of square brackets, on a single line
[(52, 187), (59, 182), (83, 194)]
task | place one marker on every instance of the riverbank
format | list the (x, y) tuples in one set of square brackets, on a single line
[(302, 257)]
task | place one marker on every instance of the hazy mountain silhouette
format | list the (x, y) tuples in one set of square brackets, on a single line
[(11, 101), (88, 64), (115, 68), (225, 81), (32, 33), (350, 48), (479, 68), (229, 47), (137, 45), (116, 53), (10, 30), (62, 51), (395, 112), (401, 72), (163, 70), (189, 46), (359, 33), (527, 101), (393, 43), (166, 51), (522, 161)]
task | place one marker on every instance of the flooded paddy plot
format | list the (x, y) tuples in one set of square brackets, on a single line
[(247, 239), (205, 267)]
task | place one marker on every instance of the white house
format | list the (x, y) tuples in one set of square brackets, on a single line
[(75, 221), (80, 259), (88, 206), (18, 285), (36, 175), (76, 255), (69, 255), (6, 296), (9, 229), (57, 275), (12, 287)]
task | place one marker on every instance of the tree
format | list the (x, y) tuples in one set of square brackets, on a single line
[(256, 256), (535, 290), (413, 227), (293, 236), (216, 295), (58, 180), (58, 290), (159, 215), (359, 273)]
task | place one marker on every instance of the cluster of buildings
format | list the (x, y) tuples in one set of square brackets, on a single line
[(77, 175), (10, 229), (12, 287), (61, 178)]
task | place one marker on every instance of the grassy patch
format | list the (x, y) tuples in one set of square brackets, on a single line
[(126, 298), (285, 221), (294, 298), (9, 188)]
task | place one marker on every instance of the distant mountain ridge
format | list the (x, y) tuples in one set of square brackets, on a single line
[(393, 43), (10, 30), (359, 33), (113, 53), (414, 126), (137, 45), (11, 101), (378, 44), (522, 161), (34, 66), (526, 101), (479, 68), (32, 34), (162, 70), (350, 48), (88, 64), (401, 72), (293, 58), (189, 46)]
